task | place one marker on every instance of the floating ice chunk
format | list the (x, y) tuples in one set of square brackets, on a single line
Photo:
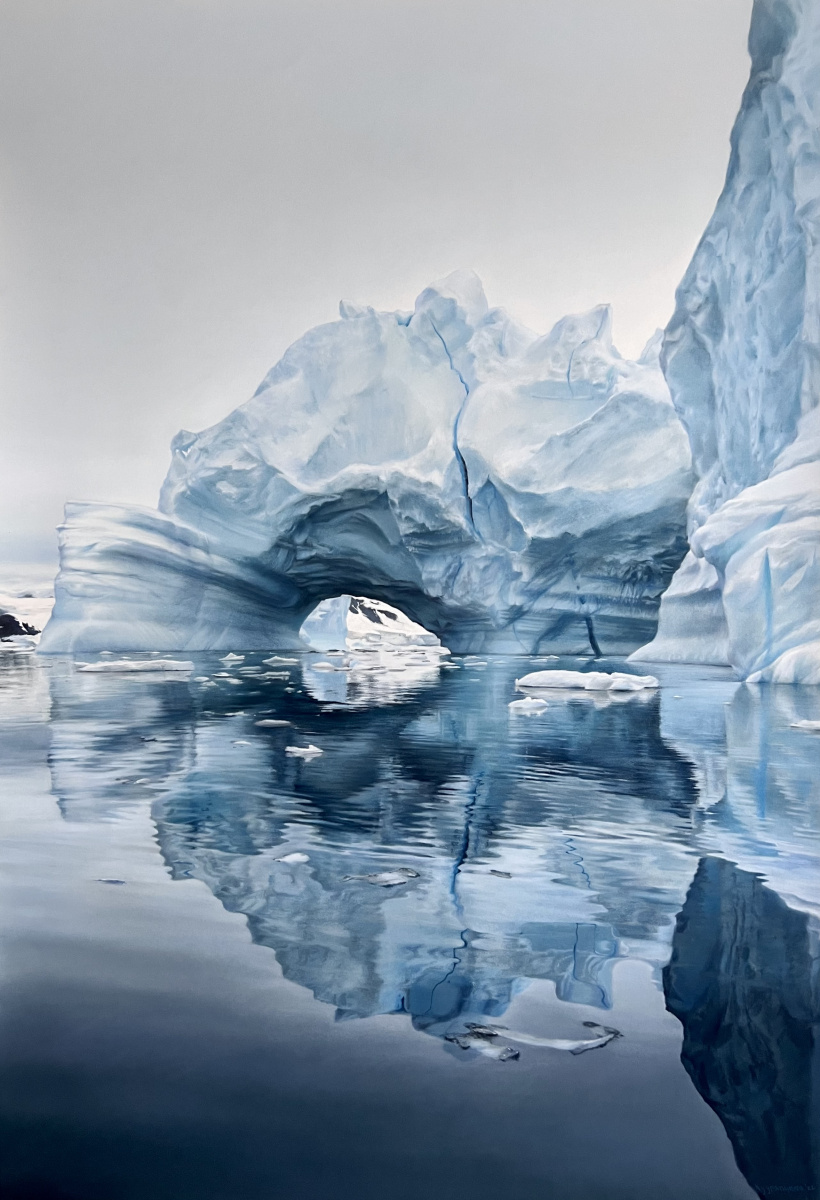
[(233, 658), (276, 661), (388, 878), (528, 707), (483, 1039), (296, 857), (807, 726), (305, 752), (272, 723), (240, 742), (590, 681), (126, 665), (323, 666)]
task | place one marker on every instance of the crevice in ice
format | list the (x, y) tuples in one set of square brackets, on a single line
[(580, 346), (593, 641), (464, 847), (462, 465)]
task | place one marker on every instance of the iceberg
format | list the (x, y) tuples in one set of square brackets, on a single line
[(741, 356), (508, 492)]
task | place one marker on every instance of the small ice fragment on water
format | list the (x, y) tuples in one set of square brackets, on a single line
[(322, 666), (387, 878), (272, 723), (116, 881), (807, 726), (500, 874), (276, 661), (528, 707), (201, 679), (235, 682), (124, 665), (240, 742), (294, 858), (305, 752), (233, 658), (482, 1039), (590, 681)]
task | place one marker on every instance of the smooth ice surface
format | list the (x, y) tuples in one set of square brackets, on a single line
[(742, 359), (503, 490), (211, 948)]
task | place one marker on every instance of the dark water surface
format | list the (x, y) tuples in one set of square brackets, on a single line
[(184, 1015)]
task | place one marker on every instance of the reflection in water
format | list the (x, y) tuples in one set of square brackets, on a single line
[(538, 848), (743, 982)]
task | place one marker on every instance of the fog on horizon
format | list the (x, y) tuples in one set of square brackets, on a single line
[(189, 185)]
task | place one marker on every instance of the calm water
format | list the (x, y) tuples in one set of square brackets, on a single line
[(184, 1015)]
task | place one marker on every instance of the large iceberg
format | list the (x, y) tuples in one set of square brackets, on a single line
[(504, 490), (742, 359)]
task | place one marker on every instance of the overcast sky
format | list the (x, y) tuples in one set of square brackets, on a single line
[(188, 185)]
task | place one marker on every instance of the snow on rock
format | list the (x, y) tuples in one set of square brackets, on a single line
[(742, 359), (506, 491), (589, 681)]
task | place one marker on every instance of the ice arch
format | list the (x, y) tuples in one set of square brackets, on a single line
[(503, 490)]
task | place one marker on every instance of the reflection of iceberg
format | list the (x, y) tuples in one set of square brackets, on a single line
[(590, 816), (743, 982)]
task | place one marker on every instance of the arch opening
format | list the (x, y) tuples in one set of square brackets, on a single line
[(347, 624)]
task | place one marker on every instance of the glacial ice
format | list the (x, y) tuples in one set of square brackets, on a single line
[(506, 491), (742, 359)]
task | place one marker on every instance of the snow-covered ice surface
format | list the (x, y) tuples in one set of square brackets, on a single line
[(504, 490), (742, 359)]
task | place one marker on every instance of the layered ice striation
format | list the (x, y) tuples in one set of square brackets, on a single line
[(505, 491), (742, 359)]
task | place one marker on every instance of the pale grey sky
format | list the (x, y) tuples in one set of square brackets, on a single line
[(188, 185)]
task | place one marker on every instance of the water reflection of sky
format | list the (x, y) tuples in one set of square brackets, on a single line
[(548, 849)]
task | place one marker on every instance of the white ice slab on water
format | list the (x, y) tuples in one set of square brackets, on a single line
[(530, 706), (807, 726), (129, 665), (296, 857), (305, 752), (590, 681)]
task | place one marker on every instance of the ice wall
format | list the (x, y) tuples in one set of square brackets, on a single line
[(742, 359), (506, 491)]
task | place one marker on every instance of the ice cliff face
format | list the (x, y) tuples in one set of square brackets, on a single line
[(742, 359), (506, 491)]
